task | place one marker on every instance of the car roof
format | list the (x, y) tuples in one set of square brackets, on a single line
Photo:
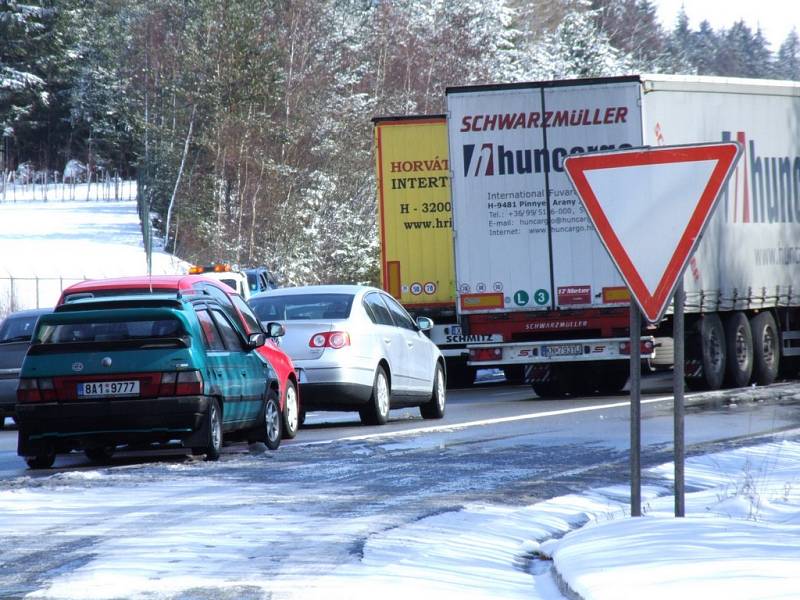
[(30, 312), (316, 289), (163, 282)]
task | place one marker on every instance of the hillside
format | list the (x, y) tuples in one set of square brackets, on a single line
[(45, 246)]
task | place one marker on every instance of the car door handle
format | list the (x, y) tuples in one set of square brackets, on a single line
[(387, 340), (410, 344), (244, 373)]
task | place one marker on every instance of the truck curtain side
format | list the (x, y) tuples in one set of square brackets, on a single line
[(415, 215), (530, 267)]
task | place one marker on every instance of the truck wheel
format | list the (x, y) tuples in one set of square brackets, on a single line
[(459, 375), (738, 350), (515, 374), (556, 386), (376, 412), (766, 349), (612, 378), (710, 350)]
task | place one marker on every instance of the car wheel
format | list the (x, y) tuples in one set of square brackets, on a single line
[(100, 454), (272, 425), (41, 461), (766, 348), (291, 412), (214, 425), (434, 408), (377, 411)]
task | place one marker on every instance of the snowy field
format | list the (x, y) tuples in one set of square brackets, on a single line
[(740, 539), (47, 245)]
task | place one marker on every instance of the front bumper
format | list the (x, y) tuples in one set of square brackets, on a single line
[(62, 426)]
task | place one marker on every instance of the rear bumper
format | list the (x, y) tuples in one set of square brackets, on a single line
[(8, 396), (334, 387), (335, 396), (62, 426)]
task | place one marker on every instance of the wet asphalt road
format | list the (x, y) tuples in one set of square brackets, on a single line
[(497, 444)]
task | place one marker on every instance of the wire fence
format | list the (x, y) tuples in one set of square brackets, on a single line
[(20, 293), (101, 187)]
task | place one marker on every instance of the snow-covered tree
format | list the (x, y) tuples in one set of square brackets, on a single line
[(787, 64)]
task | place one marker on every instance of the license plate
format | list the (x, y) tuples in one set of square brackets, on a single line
[(108, 388), (562, 350)]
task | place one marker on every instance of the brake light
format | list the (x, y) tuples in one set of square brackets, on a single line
[(36, 390), (645, 347), (485, 354), (330, 339), (181, 383)]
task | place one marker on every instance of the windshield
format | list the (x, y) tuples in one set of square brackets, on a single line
[(17, 329), (109, 331), (302, 307)]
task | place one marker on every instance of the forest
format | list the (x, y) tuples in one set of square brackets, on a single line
[(247, 123)]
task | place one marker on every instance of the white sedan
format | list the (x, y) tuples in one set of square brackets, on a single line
[(356, 348)]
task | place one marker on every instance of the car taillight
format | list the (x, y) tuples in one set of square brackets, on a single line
[(36, 390), (330, 339), (181, 383), (485, 354)]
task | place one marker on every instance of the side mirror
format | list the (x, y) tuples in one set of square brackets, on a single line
[(424, 323), (275, 330), (257, 340)]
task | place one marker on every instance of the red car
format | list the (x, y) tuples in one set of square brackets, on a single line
[(199, 284)]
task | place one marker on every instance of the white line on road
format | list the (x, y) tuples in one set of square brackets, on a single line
[(483, 422)]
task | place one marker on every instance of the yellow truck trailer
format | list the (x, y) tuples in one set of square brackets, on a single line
[(415, 216)]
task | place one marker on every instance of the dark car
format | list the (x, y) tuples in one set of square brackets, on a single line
[(140, 370), (15, 337), (259, 279)]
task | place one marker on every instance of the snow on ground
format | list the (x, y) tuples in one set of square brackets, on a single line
[(740, 539), (47, 245)]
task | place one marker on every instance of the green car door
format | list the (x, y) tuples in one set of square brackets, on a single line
[(235, 369)]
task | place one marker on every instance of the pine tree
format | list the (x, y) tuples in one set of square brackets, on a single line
[(787, 64)]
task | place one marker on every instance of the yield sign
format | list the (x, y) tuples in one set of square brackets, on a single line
[(650, 206)]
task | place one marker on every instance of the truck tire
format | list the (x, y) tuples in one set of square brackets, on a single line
[(611, 379), (459, 375), (766, 348), (738, 350), (709, 347), (557, 385), (514, 374)]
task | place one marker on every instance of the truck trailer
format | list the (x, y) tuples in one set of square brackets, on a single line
[(415, 219), (531, 270)]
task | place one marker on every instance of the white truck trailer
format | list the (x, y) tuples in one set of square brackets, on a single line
[(531, 270)]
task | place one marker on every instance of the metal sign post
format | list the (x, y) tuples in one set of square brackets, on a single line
[(636, 389), (677, 387)]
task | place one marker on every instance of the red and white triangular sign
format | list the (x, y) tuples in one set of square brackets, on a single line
[(650, 206)]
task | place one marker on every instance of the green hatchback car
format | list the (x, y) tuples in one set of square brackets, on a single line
[(131, 370)]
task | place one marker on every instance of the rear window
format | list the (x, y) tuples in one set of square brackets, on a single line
[(109, 331), (17, 329), (302, 307)]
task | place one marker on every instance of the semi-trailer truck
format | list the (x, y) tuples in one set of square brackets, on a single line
[(531, 270)]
